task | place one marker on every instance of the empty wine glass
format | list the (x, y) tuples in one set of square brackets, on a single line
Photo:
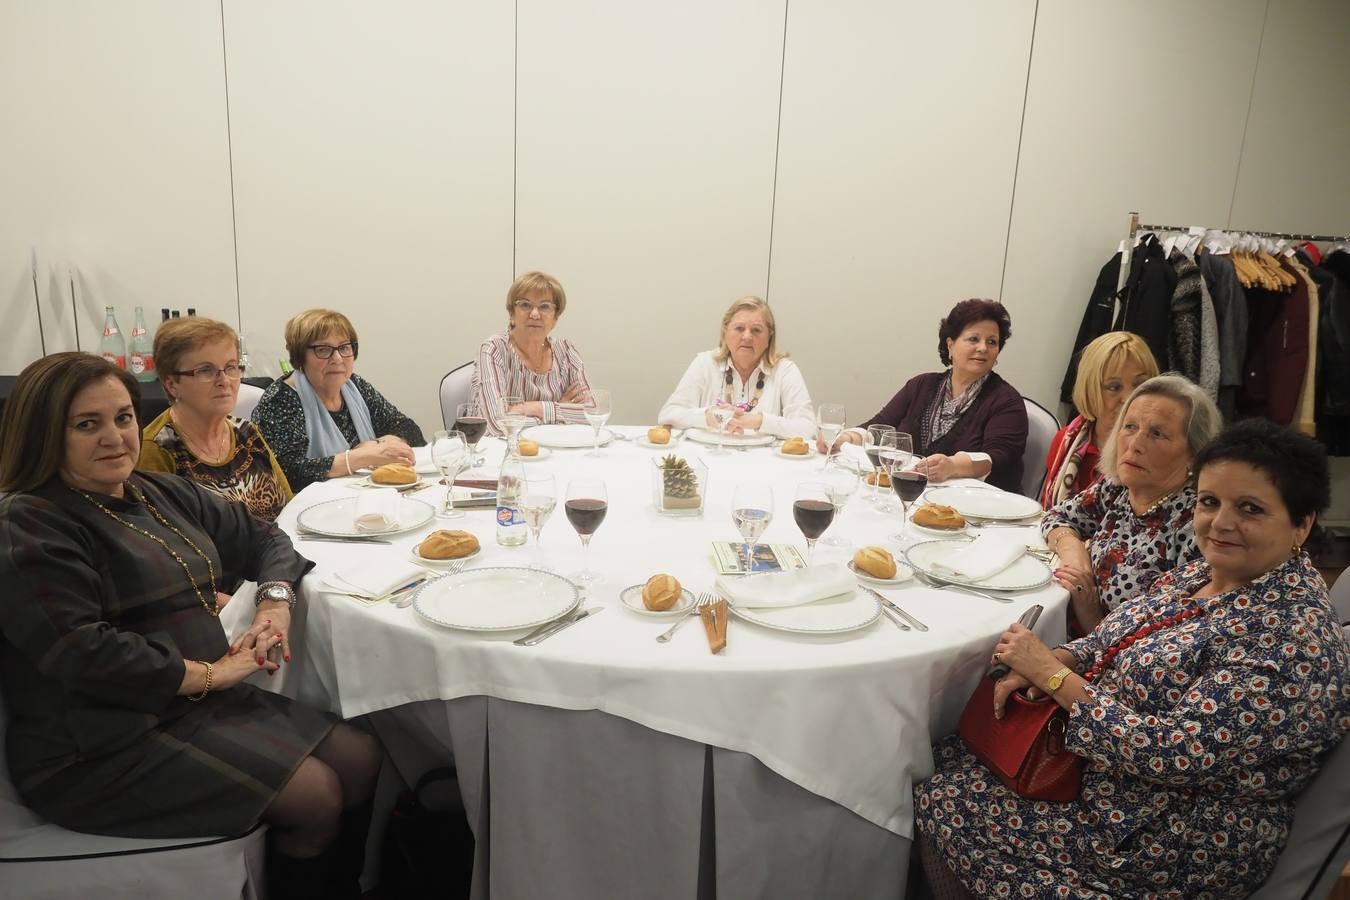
[(586, 505), (469, 419), (513, 422), (873, 450), (597, 409), (891, 444), (537, 502), (813, 512), (840, 486), (450, 453), (830, 421), (752, 511), (722, 413)]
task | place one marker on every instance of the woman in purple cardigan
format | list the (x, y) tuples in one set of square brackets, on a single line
[(966, 422)]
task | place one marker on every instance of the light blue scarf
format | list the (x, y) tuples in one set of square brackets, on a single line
[(325, 438)]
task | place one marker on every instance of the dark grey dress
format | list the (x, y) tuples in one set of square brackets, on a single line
[(95, 622)]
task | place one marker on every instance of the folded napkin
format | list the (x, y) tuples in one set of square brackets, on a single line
[(981, 558), (794, 587), (376, 510), (375, 577)]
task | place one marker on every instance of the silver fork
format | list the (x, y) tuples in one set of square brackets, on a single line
[(707, 598), (941, 585), (406, 598)]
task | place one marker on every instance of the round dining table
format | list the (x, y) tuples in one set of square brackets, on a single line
[(603, 763)]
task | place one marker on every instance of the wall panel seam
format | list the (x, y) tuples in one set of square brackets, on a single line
[(229, 155), (1246, 122), (1017, 159), (777, 142)]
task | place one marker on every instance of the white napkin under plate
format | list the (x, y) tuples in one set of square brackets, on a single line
[(375, 577), (376, 510), (795, 587), (982, 558)]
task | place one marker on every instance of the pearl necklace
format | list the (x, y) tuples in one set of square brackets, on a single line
[(211, 608)]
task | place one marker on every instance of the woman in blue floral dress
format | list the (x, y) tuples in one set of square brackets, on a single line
[(1212, 701)]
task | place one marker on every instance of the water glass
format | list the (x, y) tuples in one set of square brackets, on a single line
[(537, 502), (840, 486), (830, 420), (450, 453), (752, 511), (597, 409)]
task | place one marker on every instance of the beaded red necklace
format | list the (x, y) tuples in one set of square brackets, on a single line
[(1144, 630)]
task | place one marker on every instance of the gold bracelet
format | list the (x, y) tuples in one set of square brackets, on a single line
[(206, 690)]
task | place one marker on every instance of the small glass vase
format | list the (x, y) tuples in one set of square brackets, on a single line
[(679, 490)]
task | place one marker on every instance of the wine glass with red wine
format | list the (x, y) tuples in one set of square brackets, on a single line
[(470, 420), (908, 484), (586, 505), (813, 513)]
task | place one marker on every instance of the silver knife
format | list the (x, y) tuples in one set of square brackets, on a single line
[(335, 539), (898, 611), (547, 631)]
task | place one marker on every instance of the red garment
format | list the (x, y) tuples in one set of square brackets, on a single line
[(1277, 351), (1087, 470)]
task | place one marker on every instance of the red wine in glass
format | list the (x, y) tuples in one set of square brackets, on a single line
[(586, 514), (812, 517), (473, 428), (908, 485)]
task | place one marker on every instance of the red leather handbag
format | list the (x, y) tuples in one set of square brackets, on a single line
[(1024, 749)]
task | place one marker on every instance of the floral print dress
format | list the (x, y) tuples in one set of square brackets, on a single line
[(1197, 740), (1128, 551)]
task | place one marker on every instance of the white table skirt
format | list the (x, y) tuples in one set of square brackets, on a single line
[(849, 718)]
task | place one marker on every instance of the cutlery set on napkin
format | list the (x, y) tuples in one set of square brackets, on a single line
[(376, 581)]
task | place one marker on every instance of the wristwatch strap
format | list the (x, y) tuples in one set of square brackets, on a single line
[(1056, 681), (261, 595)]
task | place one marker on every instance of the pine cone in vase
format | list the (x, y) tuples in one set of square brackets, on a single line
[(679, 484)]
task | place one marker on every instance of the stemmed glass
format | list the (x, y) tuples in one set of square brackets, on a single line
[(897, 452), (891, 444), (722, 413), (597, 410), (469, 419), (908, 484), (830, 421), (450, 453), (752, 511), (586, 505), (537, 502), (512, 423), (873, 450), (840, 486), (813, 512)]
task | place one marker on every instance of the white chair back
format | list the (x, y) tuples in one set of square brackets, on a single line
[(1340, 597), (1041, 428), (248, 398), (454, 391)]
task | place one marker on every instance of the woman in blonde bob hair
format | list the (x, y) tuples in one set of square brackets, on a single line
[(747, 373)]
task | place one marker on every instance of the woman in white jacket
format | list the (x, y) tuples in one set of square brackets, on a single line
[(747, 373)]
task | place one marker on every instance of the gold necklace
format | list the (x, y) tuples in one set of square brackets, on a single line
[(211, 608), (201, 450)]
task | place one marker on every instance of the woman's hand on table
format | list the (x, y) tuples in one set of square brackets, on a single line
[(939, 468), (847, 437), (268, 636), (742, 421), (385, 450)]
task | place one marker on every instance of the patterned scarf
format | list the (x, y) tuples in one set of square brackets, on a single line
[(1063, 470), (944, 410)]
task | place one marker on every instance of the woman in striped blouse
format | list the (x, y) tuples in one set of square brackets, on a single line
[(547, 374)]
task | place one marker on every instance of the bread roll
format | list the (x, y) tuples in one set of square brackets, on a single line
[(528, 448), (935, 515), (659, 435), (394, 473), (795, 446), (885, 478), (447, 545), (875, 561), (661, 592)]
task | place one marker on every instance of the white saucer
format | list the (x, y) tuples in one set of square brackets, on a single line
[(631, 598), (903, 573), (443, 563)]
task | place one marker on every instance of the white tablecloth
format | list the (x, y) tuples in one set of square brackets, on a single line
[(850, 718)]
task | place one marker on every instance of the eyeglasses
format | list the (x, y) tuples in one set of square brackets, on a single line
[(526, 307), (208, 373), (325, 351)]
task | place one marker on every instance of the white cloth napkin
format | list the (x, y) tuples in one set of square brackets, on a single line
[(375, 577), (376, 510), (795, 587), (982, 558)]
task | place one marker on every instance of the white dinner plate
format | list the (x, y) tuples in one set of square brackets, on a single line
[(566, 435), (704, 436), (496, 598), (903, 573), (1023, 575), (984, 503), (366, 482), (337, 518), (631, 598), (833, 615), (443, 563), (544, 453)]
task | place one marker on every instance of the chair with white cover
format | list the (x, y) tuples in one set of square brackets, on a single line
[(1319, 840), (248, 398), (1041, 429), (39, 859), (455, 390)]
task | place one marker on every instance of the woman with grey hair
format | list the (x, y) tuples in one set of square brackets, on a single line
[(1115, 538)]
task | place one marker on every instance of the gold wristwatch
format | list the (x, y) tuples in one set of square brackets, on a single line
[(1056, 681)]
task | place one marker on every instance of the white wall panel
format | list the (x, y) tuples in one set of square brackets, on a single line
[(1128, 108), (895, 175), (645, 176), (114, 163), (372, 160), (1295, 172)]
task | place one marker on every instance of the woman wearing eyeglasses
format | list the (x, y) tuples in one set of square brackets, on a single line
[(323, 420), (546, 373), (196, 437)]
